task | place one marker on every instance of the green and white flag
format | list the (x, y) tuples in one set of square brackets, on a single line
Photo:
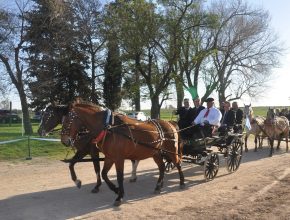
[(193, 92)]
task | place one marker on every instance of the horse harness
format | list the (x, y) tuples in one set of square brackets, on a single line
[(110, 126)]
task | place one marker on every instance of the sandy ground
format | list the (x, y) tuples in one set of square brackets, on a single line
[(42, 189)]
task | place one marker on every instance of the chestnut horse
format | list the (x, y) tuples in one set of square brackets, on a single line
[(126, 139), (52, 117), (276, 128), (255, 128)]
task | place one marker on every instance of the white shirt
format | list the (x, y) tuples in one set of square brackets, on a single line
[(214, 116)]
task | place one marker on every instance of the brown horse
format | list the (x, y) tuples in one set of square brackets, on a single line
[(53, 116), (255, 127), (276, 128), (126, 139)]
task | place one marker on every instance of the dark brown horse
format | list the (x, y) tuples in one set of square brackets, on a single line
[(52, 117), (126, 139), (276, 128)]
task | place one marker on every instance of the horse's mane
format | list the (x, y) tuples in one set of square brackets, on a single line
[(91, 106)]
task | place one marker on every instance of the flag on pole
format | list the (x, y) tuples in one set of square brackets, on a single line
[(193, 92)]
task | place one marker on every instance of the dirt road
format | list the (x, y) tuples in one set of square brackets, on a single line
[(42, 190)]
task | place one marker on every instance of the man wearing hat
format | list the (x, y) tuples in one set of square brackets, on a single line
[(208, 118), (185, 118)]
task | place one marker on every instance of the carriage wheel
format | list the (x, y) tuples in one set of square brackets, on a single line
[(211, 166), (234, 155)]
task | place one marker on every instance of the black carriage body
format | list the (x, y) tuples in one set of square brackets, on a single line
[(201, 151)]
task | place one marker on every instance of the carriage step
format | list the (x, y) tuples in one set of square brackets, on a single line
[(82, 160)]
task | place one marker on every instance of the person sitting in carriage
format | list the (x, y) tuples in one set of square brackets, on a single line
[(208, 120), (238, 126), (228, 120)]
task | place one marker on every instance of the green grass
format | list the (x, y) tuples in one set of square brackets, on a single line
[(19, 150), (54, 150)]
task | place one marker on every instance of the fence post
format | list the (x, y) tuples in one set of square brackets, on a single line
[(28, 146)]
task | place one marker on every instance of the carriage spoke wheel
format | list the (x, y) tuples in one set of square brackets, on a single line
[(234, 155), (211, 166)]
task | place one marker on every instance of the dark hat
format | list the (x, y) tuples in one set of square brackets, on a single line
[(209, 100)]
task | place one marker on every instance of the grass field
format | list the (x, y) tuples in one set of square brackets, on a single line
[(55, 150)]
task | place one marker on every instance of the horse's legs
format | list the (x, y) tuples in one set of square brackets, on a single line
[(271, 147), (159, 161), (261, 142), (79, 155), (95, 156), (246, 139), (181, 176), (120, 178), (256, 140), (286, 139), (134, 170), (278, 144), (108, 163)]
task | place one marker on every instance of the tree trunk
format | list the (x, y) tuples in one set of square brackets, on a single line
[(221, 93), (155, 107), (137, 96), (179, 93), (26, 119)]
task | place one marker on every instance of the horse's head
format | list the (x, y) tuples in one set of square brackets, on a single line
[(51, 117), (248, 111), (81, 121), (270, 114)]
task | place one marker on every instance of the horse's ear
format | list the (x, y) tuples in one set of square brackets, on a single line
[(250, 104)]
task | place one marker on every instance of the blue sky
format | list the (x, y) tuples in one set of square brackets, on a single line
[(278, 94)]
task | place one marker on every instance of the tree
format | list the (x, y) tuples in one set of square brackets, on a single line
[(12, 42), (57, 62), (89, 23), (113, 76), (246, 51)]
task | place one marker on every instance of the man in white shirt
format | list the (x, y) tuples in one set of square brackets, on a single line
[(208, 118)]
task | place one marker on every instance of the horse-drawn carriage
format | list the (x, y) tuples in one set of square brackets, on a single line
[(205, 151), (131, 139)]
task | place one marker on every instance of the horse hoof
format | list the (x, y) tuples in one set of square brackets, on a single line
[(157, 191), (78, 183), (246, 150), (133, 180), (117, 203), (95, 190), (182, 186)]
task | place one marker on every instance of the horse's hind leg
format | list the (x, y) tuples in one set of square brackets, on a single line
[(108, 163), (278, 144), (181, 176), (246, 145), (79, 155), (159, 161), (286, 139), (134, 170), (271, 147), (95, 156), (256, 140)]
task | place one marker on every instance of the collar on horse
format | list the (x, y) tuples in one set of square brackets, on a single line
[(108, 122)]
